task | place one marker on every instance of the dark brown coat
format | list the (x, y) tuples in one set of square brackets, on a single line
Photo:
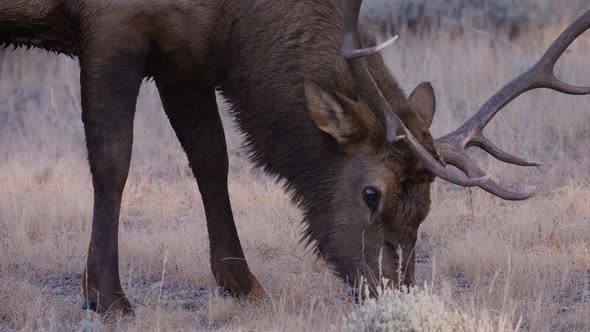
[(279, 63)]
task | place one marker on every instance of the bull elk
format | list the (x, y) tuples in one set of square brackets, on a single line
[(318, 110)]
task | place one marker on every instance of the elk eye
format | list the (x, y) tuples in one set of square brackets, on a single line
[(371, 196)]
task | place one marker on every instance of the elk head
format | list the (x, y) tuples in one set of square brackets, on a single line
[(382, 188)]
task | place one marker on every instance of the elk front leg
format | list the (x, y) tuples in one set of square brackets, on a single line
[(193, 113), (110, 85)]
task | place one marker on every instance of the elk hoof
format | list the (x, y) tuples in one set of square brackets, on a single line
[(88, 304), (236, 280), (256, 293)]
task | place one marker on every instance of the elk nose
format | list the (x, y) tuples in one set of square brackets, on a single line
[(88, 304)]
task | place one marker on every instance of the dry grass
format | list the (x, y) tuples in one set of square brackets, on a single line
[(517, 265)]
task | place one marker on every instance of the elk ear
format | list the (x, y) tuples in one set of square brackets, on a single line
[(332, 114), (423, 101)]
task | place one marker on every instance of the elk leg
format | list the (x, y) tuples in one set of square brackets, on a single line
[(110, 85), (193, 113)]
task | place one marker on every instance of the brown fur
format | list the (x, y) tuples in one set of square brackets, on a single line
[(279, 63)]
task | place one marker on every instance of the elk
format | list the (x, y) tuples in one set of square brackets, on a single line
[(315, 101)]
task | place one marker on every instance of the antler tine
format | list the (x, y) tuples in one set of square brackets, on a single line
[(350, 18), (541, 75), (547, 63), (355, 54), (563, 87), (378, 102), (485, 144), (463, 162)]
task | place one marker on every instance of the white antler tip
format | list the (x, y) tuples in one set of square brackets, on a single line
[(386, 44)]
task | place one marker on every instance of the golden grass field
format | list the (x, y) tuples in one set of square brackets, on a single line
[(514, 265)]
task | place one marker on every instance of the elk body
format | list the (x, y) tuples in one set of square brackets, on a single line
[(318, 112)]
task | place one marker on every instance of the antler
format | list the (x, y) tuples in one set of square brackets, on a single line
[(378, 102), (451, 147)]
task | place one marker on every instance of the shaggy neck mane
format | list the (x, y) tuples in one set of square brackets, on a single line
[(290, 146), (266, 91)]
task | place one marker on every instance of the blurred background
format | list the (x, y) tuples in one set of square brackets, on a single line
[(503, 16)]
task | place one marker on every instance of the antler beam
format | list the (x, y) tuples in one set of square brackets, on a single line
[(376, 100), (452, 147)]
